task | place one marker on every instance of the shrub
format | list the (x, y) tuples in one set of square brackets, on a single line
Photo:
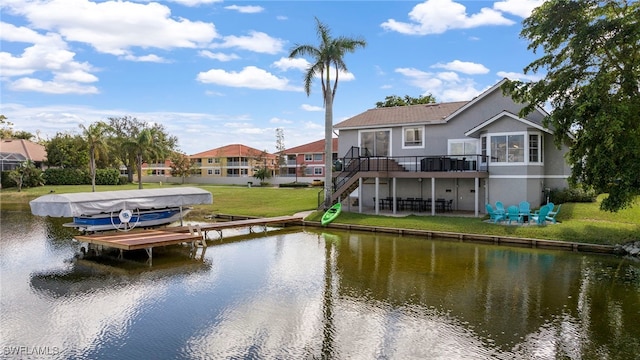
[(6, 180), (123, 180), (559, 196), (66, 176), (107, 177)]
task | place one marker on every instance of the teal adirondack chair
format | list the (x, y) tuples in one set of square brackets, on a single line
[(500, 208), (513, 213), (551, 216), (541, 216), (493, 215)]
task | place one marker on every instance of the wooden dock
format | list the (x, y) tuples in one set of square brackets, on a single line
[(148, 239)]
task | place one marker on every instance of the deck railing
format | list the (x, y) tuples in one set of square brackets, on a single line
[(353, 162)]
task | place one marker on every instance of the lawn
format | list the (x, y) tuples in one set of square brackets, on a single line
[(579, 222)]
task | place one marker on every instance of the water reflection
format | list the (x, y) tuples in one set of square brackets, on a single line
[(303, 293)]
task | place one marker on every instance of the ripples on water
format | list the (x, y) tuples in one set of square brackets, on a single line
[(295, 294)]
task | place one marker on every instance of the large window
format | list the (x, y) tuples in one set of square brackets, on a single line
[(518, 148), (308, 157), (413, 137), (317, 157), (317, 171), (375, 143)]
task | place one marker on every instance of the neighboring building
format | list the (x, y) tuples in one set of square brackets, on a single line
[(468, 153), (307, 160), (234, 160), (159, 168), (13, 152)]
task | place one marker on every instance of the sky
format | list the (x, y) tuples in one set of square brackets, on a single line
[(215, 73)]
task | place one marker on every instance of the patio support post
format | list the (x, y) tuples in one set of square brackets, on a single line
[(377, 192), (360, 182), (433, 196), (475, 195), (395, 199)]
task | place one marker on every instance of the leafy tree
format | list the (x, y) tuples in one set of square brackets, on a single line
[(327, 55), (149, 145), (67, 151), (26, 175), (6, 132), (25, 135), (395, 100), (181, 165), (96, 138), (592, 61), (262, 173)]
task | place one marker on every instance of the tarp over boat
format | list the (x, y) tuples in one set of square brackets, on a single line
[(92, 203)]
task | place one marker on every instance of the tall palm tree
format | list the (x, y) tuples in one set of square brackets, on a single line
[(96, 137), (146, 146), (327, 55)]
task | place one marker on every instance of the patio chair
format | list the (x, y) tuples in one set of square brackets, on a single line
[(551, 216), (513, 213), (500, 208), (524, 207), (493, 215), (541, 215)]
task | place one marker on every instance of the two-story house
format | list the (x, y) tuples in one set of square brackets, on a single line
[(235, 160), (457, 155), (307, 160)]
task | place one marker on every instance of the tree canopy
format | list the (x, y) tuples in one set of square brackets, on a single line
[(395, 100), (328, 55), (591, 56)]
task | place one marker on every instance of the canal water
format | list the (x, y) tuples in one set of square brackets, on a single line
[(302, 293)]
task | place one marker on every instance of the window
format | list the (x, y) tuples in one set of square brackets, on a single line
[(413, 137), (308, 171), (375, 143), (507, 148), (209, 161), (308, 157), (317, 171), (210, 172), (535, 146), (244, 172), (483, 147), (317, 157), (463, 147), (216, 171)]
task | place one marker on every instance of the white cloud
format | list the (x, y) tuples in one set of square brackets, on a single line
[(519, 76), (444, 86), (438, 16), (51, 87), (307, 107), (256, 41), (145, 58), (276, 120), (218, 56), (249, 77), (245, 9), (286, 63), (521, 8), (464, 67), (108, 26)]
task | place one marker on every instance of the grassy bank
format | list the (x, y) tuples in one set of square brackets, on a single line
[(580, 222)]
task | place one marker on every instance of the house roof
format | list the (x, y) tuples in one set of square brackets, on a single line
[(399, 115), (232, 150), (312, 147), (475, 132), (30, 150)]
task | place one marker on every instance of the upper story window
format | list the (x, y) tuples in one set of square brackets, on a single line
[(412, 137), (317, 157), (209, 160), (375, 142), (512, 148), (308, 157), (463, 147)]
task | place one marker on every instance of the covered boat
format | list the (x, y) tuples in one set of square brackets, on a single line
[(122, 209)]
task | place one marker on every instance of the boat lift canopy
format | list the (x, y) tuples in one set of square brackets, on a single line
[(93, 203)]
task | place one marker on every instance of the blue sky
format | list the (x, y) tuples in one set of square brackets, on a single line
[(217, 72)]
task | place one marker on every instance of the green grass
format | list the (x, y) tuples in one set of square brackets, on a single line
[(579, 222)]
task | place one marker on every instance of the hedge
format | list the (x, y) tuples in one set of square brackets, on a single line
[(57, 176)]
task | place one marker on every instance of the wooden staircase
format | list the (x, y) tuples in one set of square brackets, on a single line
[(348, 179)]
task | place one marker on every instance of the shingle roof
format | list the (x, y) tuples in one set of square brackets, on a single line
[(411, 114), (28, 149), (312, 147), (232, 150)]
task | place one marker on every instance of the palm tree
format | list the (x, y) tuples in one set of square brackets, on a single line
[(329, 54), (95, 136), (146, 146)]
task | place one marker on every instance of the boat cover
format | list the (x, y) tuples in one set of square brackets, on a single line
[(92, 203)]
